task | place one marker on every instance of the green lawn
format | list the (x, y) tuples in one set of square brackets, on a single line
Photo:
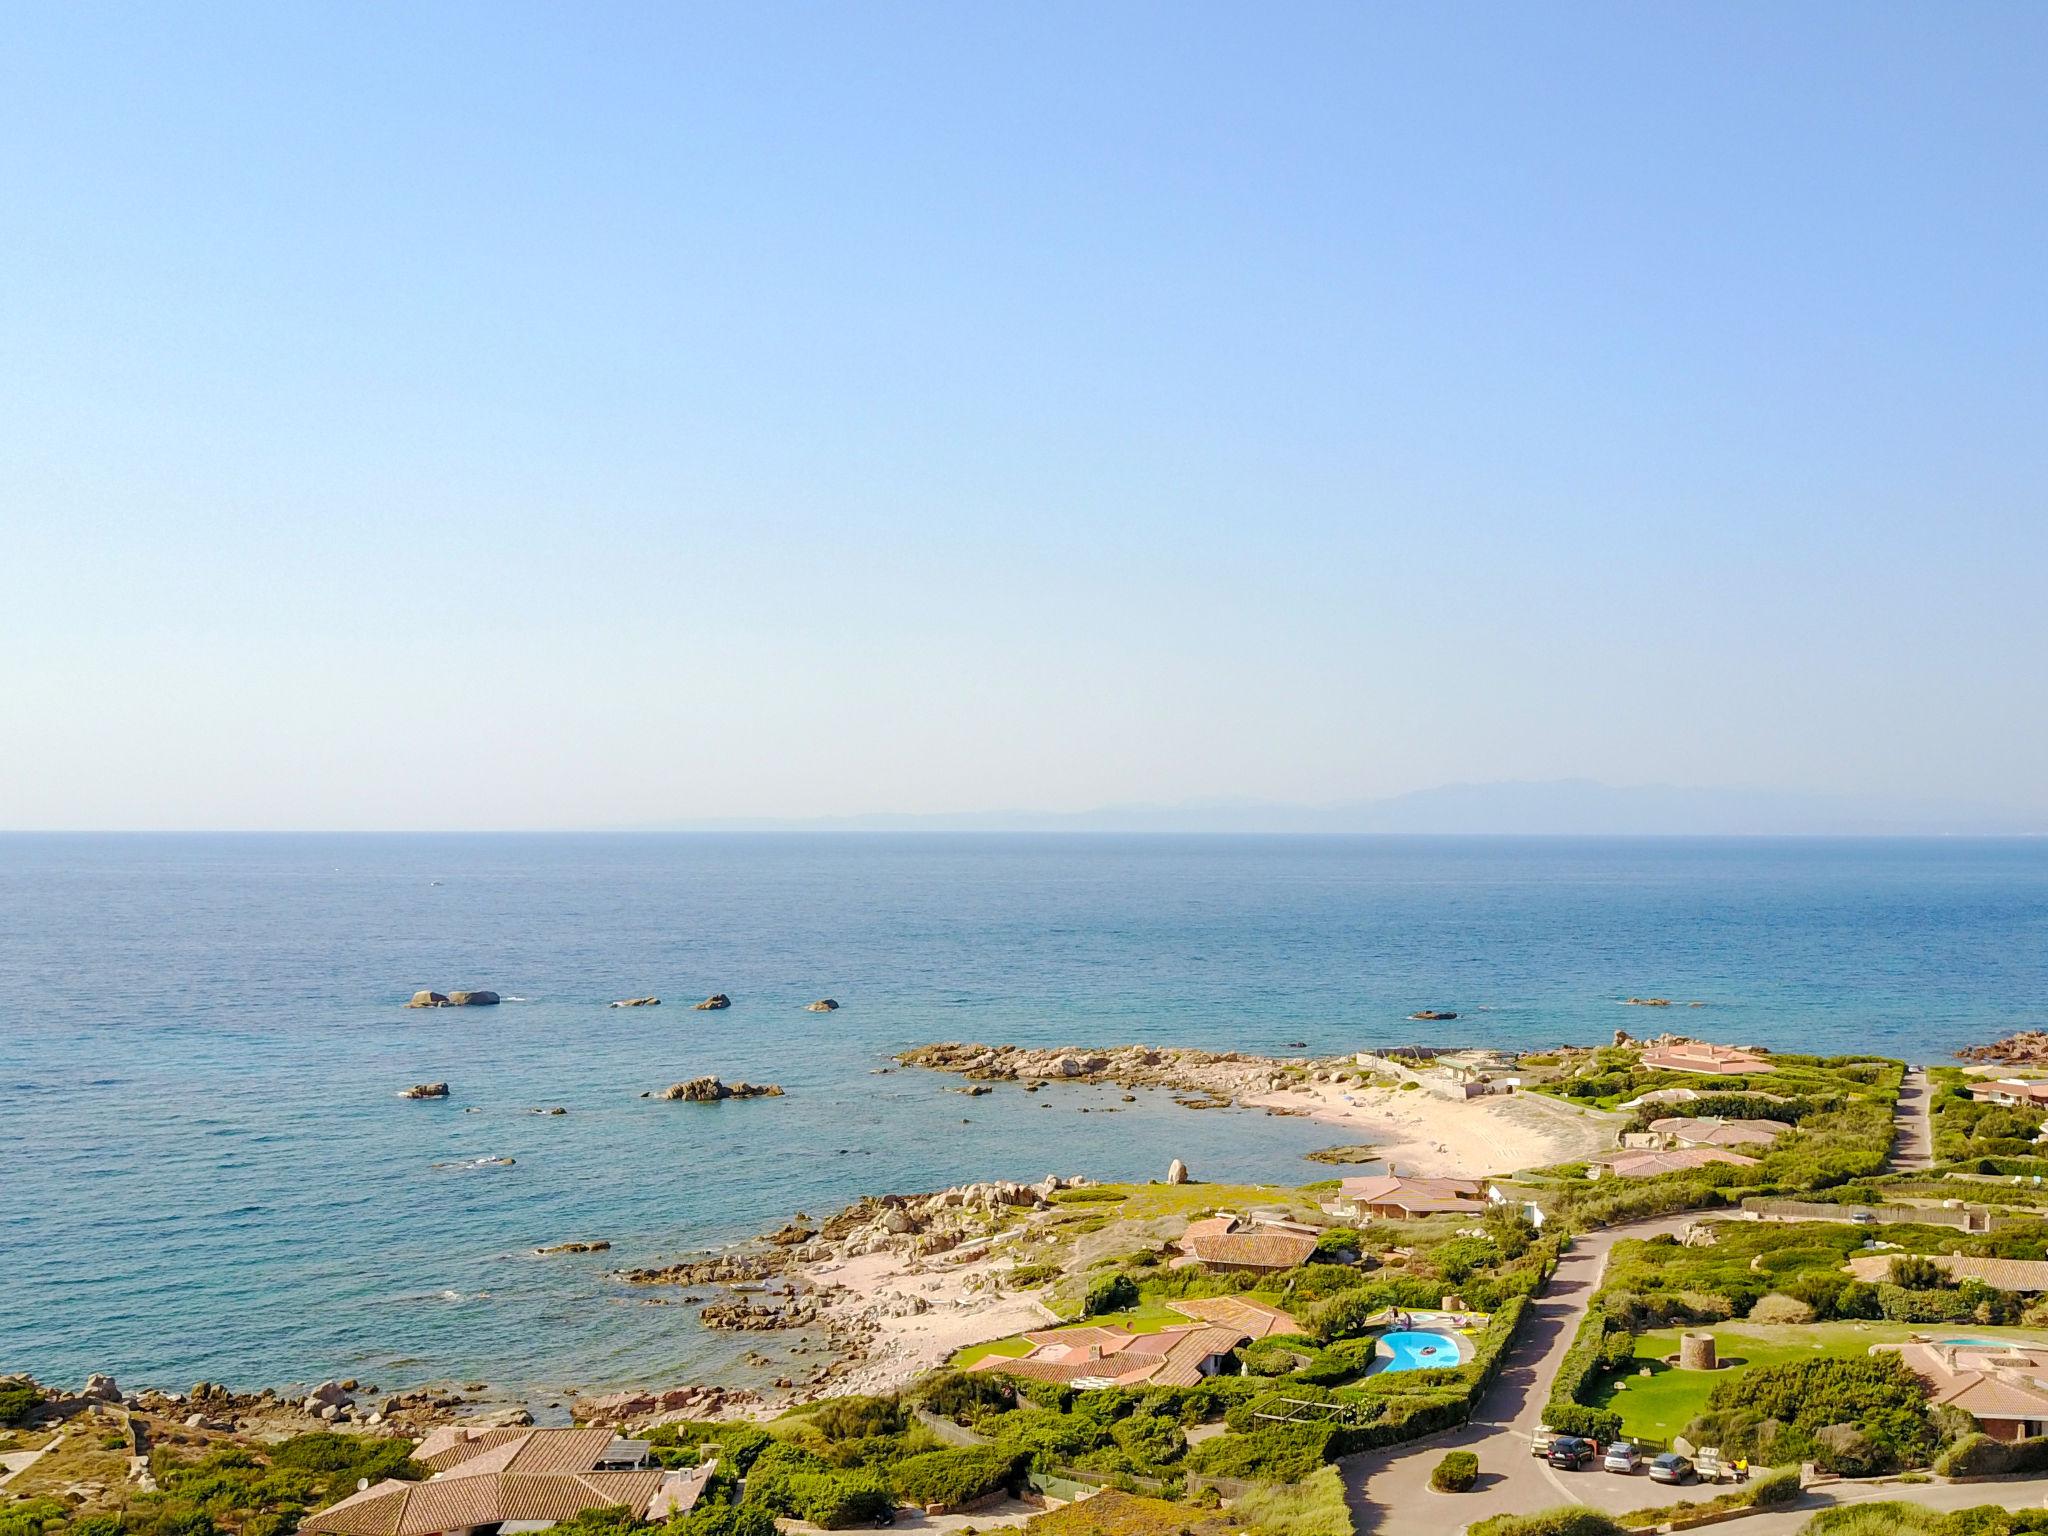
[(1660, 1405)]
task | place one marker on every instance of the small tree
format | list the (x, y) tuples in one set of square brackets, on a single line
[(1112, 1293), (1916, 1272)]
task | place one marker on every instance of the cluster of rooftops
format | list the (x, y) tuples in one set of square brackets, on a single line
[(512, 1478)]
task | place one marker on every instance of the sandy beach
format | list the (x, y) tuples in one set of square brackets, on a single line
[(1475, 1138)]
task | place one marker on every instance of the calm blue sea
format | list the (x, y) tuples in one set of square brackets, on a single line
[(206, 1173)]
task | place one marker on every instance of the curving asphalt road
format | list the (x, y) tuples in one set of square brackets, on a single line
[(1389, 1491)]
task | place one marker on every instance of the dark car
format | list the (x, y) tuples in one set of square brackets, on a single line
[(1571, 1453), (1672, 1468)]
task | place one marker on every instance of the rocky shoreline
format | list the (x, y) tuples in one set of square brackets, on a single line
[(1220, 1078), (2028, 1048)]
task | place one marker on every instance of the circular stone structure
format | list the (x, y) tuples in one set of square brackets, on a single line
[(1696, 1352)]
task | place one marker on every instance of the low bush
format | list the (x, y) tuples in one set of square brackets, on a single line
[(18, 1398), (1314, 1506), (1278, 1453), (1566, 1520), (1777, 1307), (1458, 1472), (1979, 1455)]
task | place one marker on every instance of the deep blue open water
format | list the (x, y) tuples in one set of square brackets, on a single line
[(204, 1171)]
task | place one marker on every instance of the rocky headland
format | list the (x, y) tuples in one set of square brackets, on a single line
[(2028, 1048)]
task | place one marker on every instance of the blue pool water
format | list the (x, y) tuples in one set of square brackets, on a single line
[(1420, 1351), (207, 1173)]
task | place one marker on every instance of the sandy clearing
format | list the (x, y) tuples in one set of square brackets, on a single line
[(1476, 1138)]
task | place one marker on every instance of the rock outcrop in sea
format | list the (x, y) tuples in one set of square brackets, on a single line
[(2028, 1048), (822, 1005), (1432, 1015), (709, 1090), (637, 1002), (715, 1000), (479, 999), (426, 1091), (1217, 1078)]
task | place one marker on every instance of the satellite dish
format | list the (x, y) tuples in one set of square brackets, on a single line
[(362, 1483)]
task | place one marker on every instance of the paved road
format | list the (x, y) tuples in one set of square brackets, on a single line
[(1913, 1141), (1389, 1490)]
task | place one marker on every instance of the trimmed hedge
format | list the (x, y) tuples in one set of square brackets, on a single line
[(1458, 1472), (1567, 1520), (1982, 1456)]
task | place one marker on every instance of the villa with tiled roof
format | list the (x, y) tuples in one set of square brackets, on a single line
[(1257, 1243), (493, 1477)]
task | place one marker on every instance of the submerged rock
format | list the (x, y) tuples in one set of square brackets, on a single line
[(637, 1002), (1432, 1015)]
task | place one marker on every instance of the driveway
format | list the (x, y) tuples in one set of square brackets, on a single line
[(1913, 1138), (1389, 1491)]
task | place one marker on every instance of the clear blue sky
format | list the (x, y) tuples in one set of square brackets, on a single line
[(553, 415)]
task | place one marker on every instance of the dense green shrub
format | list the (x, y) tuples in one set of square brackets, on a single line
[(1979, 1455), (955, 1476), (832, 1499), (1458, 1472), (736, 1442), (859, 1418), (18, 1398), (1112, 1293), (1277, 1453)]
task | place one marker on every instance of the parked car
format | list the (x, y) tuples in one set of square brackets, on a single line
[(1672, 1468), (1571, 1453), (1622, 1457)]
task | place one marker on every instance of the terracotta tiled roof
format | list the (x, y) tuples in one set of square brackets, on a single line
[(453, 1504), (1257, 1319), (1699, 1056), (1182, 1364), (1419, 1197), (1999, 1274), (1718, 1133), (452, 1444), (1639, 1165), (1253, 1248), (1172, 1356)]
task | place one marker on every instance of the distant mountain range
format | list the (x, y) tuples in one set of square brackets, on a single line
[(1556, 807)]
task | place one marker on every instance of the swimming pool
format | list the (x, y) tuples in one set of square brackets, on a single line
[(1983, 1343), (1419, 1351)]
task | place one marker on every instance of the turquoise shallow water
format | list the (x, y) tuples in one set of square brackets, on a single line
[(206, 1173)]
